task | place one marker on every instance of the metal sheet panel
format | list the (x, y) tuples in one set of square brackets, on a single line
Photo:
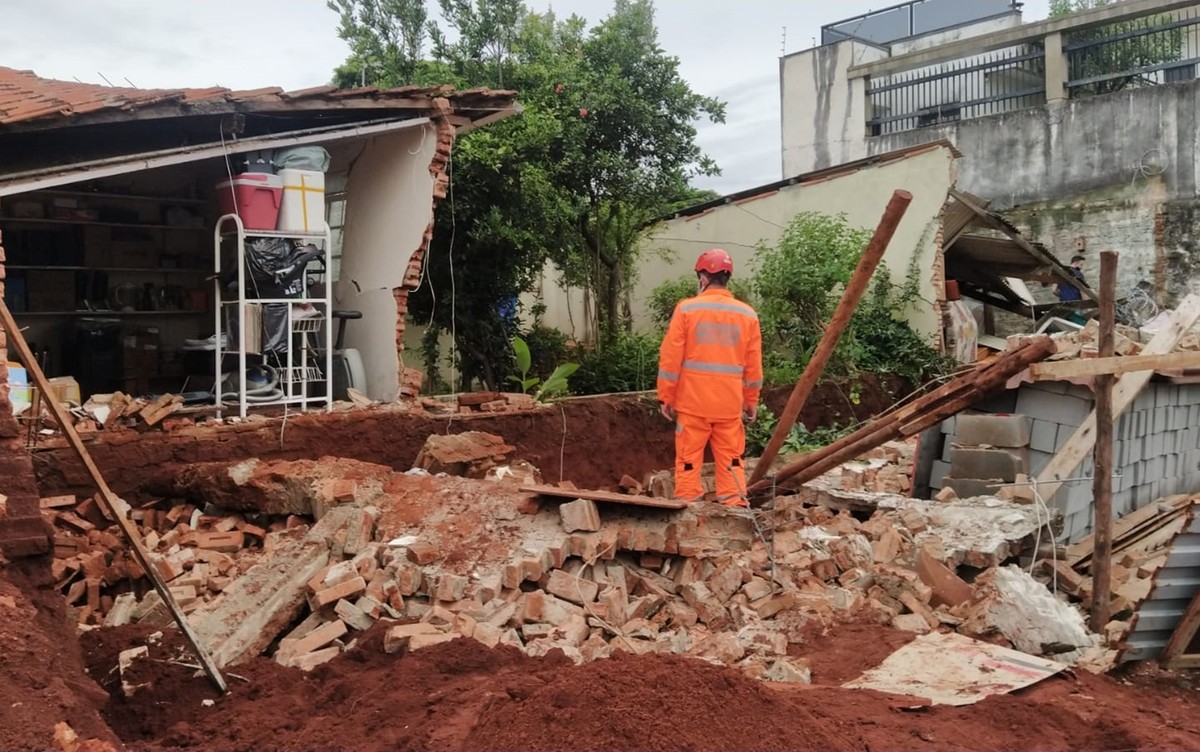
[(1175, 585)]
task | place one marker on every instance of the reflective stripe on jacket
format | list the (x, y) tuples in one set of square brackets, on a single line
[(711, 358)]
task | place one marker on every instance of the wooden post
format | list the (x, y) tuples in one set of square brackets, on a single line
[(1103, 453), (871, 257), (107, 499)]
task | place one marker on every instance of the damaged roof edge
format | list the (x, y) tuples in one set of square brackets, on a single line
[(59, 175), (807, 177)]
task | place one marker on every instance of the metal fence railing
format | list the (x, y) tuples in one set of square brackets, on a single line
[(1151, 50), (981, 85)]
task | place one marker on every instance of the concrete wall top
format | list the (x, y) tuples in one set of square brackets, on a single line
[(671, 247), (1069, 148)]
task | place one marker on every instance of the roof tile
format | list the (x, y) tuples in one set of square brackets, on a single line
[(25, 96)]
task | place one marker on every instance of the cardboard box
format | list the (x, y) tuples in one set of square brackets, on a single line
[(48, 290)]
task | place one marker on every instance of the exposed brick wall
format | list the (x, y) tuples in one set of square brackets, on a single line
[(22, 532), (441, 184)]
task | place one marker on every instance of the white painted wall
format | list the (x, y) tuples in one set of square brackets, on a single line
[(670, 248), (390, 203), (823, 112)]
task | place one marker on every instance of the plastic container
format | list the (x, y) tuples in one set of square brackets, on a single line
[(303, 206), (253, 196)]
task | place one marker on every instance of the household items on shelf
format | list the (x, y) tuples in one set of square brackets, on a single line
[(283, 191)]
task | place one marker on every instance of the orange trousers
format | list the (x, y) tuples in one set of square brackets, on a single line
[(728, 440)]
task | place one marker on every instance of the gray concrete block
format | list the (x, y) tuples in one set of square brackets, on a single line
[(1038, 461), (1155, 468), (1122, 503), (1162, 394), (947, 447), (988, 463), (1160, 419), (967, 488), (999, 403), (1050, 387), (948, 425), (939, 471), (992, 430), (1065, 432), (1078, 497), (1056, 408), (1080, 392), (1043, 436), (1143, 401)]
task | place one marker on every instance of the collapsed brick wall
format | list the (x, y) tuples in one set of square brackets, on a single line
[(446, 134), (22, 532), (133, 461), (1156, 452)]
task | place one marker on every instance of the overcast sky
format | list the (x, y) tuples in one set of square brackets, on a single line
[(727, 48)]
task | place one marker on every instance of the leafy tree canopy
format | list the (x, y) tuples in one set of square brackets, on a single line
[(605, 142)]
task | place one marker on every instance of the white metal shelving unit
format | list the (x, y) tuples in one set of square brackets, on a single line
[(296, 375)]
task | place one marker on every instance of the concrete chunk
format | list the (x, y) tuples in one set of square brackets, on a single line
[(984, 463), (571, 588), (580, 515), (992, 430)]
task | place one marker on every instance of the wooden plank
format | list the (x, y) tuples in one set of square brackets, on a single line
[(1132, 528), (607, 496), (1071, 369), (1127, 388), (108, 500), (860, 280)]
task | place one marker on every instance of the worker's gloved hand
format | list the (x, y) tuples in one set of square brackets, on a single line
[(667, 411), (749, 415)]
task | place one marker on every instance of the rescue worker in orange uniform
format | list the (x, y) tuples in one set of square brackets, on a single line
[(709, 380)]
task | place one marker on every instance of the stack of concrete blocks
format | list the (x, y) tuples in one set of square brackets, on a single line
[(987, 452), (1156, 452)]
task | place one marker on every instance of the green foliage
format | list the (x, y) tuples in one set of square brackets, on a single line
[(547, 347), (524, 361), (798, 440), (607, 140), (666, 296), (1119, 55), (797, 286), (627, 363), (555, 385)]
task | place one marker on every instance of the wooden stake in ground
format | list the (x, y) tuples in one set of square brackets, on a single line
[(871, 257), (1103, 453), (107, 498)]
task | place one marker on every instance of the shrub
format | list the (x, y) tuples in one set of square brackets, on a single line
[(627, 364), (666, 296)]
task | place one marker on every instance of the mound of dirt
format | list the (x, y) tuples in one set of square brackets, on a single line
[(463, 696)]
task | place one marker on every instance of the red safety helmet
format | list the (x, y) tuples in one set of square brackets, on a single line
[(714, 261)]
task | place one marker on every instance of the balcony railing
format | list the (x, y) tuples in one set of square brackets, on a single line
[(984, 85), (1013, 71)]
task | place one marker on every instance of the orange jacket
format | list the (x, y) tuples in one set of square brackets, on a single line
[(710, 363)]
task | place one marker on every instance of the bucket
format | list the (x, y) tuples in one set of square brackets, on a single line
[(253, 196), (303, 205)]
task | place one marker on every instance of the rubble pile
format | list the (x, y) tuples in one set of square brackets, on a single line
[(338, 546), (197, 554)]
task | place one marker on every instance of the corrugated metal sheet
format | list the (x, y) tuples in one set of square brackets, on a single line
[(26, 97), (1175, 585)]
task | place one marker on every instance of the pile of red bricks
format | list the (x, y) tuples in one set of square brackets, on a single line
[(197, 555), (469, 403)]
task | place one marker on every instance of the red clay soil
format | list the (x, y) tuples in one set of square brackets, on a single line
[(591, 441), (462, 696), (41, 669)]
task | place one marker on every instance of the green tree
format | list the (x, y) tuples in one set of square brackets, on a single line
[(1117, 55), (606, 141), (386, 38), (630, 152)]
